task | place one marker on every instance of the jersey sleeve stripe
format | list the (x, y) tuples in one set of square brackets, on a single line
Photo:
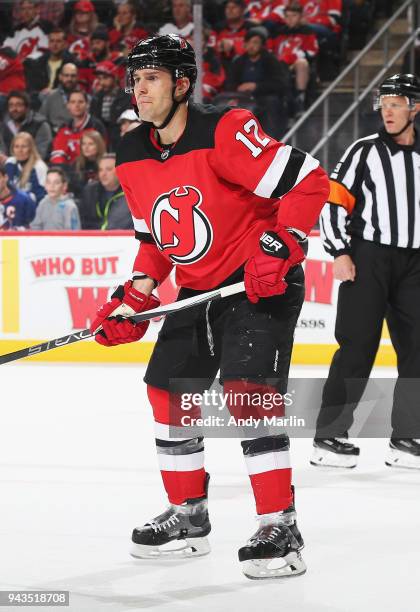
[(140, 226), (270, 179), (296, 169)]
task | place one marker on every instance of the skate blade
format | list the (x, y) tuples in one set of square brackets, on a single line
[(179, 549), (325, 458), (399, 459), (264, 569)]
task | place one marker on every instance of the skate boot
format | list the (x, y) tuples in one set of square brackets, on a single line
[(274, 549), (404, 453), (178, 532), (334, 452)]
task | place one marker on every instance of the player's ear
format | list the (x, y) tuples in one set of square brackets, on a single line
[(416, 109), (182, 85)]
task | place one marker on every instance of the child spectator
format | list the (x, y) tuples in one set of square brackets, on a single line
[(103, 204), (20, 118), (296, 45), (25, 169), (127, 30), (85, 167), (66, 145), (18, 209), (57, 210)]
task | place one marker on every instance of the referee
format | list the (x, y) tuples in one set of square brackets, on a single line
[(371, 225)]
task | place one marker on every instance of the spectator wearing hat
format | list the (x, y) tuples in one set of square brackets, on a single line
[(182, 24), (127, 30), (42, 73), (103, 204), (296, 45), (54, 105), (260, 75), (29, 38), (231, 33), (17, 209), (110, 101), (82, 25), (128, 120), (99, 52), (20, 118), (66, 144)]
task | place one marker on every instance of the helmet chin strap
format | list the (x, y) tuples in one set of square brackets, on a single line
[(170, 115), (407, 125)]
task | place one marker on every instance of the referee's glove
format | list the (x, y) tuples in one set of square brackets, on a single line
[(265, 271)]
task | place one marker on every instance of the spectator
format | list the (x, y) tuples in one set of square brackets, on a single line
[(259, 74), (85, 167), (127, 30), (110, 101), (267, 12), (66, 144), (296, 45), (103, 204), (42, 73), (231, 35), (12, 75), (25, 169), (100, 46), (213, 72), (20, 118), (30, 35), (17, 208), (57, 210), (3, 155), (49, 10), (182, 19), (54, 107), (128, 120), (83, 23), (322, 16)]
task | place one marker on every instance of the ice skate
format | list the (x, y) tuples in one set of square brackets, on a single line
[(404, 453), (274, 549), (178, 532), (334, 452)]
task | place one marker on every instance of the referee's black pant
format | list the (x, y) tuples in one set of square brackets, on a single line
[(387, 285)]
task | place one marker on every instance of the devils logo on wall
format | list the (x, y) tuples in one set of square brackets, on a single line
[(179, 227)]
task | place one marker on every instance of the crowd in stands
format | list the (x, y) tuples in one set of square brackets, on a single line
[(63, 108)]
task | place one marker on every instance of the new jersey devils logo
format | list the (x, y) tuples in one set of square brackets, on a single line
[(179, 227)]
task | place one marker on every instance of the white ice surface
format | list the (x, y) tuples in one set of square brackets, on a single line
[(78, 472)]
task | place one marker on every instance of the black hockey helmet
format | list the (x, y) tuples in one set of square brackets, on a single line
[(168, 51), (406, 85)]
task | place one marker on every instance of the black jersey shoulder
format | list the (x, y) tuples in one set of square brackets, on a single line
[(199, 134)]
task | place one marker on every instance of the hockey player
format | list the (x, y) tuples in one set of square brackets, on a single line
[(222, 201), (371, 226)]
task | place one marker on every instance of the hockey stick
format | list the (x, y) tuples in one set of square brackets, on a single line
[(143, 316)]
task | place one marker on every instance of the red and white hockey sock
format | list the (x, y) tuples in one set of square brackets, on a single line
[(181, 460)]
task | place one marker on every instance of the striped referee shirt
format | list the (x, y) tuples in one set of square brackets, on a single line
[(374, 195)]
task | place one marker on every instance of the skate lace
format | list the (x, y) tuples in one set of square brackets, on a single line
[(170, 522), (267, 535)]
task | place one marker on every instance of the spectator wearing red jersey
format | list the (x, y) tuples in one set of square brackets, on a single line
[(296, 45), (214, 74), (83, 23), (99, 52), (127, 30), (110, 101), (231, 33), (266, 12), (322, 15), (12, 75), (66, 144), (29, 38)]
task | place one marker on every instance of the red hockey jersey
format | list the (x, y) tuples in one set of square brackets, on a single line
[(325, 12), (204, 206), (267, 10), (66, 144), (292, 44)]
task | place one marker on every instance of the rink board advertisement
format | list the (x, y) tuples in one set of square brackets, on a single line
[(52, 284)]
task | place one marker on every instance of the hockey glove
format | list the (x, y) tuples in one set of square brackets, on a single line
[(265, 271), (115, 328)]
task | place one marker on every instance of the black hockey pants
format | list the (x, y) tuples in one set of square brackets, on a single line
[(387, 285)]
